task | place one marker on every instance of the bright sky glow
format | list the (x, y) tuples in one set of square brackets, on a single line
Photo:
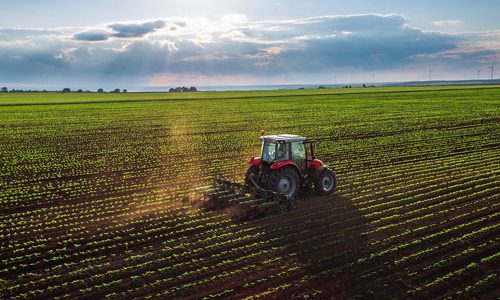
[(167, 43)]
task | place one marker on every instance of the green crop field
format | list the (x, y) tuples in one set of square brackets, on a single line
[(91, 189)]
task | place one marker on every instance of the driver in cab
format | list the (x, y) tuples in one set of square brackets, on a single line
[(281, 152)]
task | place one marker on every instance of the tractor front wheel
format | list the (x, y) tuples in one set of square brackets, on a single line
[(325, 182), (285, 181)]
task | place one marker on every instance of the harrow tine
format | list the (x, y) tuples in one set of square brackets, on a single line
[(245, 201)]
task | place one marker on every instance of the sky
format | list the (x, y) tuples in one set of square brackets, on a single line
[(110, 43)]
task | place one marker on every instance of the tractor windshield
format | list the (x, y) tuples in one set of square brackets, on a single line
[(268, 151)]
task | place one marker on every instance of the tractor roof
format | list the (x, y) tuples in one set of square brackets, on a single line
[(282, 138)]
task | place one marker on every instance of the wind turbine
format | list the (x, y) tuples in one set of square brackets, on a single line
[(492, 68), (430, 75), (478, 74)]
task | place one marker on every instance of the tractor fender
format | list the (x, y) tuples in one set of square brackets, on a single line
[(255, 161), (317, 164), (318, 172), (282, 164)]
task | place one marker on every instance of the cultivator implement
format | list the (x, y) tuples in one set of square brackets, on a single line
[(241, 201), (286, 165)]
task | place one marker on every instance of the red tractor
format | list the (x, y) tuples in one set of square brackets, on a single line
[(286, 165)]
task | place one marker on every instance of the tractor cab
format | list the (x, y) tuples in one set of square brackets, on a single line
[(286, 148), (287, 162)]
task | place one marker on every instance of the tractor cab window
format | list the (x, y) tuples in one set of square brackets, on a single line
[(299, 154), (273, 152), (281, 151), (268, 152)]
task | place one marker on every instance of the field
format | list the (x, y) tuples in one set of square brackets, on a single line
[(91, 195)]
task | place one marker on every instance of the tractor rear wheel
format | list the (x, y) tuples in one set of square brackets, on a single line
[(285, 181), (325, 182)]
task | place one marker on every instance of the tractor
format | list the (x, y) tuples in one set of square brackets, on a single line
[(286, 165)]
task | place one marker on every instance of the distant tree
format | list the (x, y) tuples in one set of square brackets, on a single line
[(80, 91), (66, 90), (124, 91), (183, 89), (116, 91), (4, 90), (364, 85), (100, 91)]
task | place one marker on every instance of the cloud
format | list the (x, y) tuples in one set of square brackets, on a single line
[(320, 44), (27, 61), (125, 30), (443, 23), (19, 33), (92, 36), (136, 29), (308, 49)]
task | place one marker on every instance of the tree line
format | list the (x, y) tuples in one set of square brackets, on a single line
[(68, 90), (65, 90)]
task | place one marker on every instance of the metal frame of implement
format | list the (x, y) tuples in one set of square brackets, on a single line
[(251, 200)]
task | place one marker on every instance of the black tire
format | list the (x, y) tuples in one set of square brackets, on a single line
[(252, 171), (285, 181), (325, 182)]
